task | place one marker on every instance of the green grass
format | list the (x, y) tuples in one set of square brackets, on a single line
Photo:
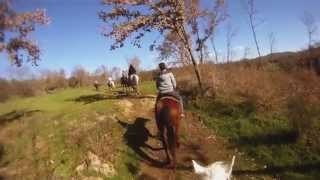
[(267, 137), (148, 87), (50, 135), (50, 125), (127, 166)]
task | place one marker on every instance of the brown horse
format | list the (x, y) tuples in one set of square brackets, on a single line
[(168, 117)]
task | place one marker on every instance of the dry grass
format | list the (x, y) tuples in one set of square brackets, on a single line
[(268, 88)]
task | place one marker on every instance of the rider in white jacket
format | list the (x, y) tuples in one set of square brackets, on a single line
[(166, 85)]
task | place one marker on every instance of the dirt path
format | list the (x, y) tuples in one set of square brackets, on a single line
[(197, 143)]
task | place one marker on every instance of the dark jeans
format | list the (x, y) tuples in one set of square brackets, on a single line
[(174, 94)]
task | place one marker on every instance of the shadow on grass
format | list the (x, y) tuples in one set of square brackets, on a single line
[(87, 99), (136, 136), (15, 115), (284, 137), (301, 168)]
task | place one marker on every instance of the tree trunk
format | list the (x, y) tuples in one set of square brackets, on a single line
[(310, 41), (228, 52), (215, 51), (255, 38), (196, 69), (184, 37)]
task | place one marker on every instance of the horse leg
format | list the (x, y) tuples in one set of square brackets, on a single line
[(177, 134), (172, 145), (165, 144)]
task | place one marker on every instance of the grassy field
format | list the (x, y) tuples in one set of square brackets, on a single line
[(267, 137), (51, 135)]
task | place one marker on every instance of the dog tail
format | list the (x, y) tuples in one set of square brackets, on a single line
[(198, 168), (231, 166)]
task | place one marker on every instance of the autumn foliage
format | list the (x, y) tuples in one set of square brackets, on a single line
[(177, 20), (17, 45)]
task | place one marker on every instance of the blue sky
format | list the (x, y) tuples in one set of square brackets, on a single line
[(74, 35)]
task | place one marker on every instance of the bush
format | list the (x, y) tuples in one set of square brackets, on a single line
[(5, 90), (303, 118), (73, 82), (24, 88)]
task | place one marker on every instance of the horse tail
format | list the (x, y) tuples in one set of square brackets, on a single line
[(170, 132)]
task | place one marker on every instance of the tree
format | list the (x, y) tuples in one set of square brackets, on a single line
[(246, 52), (135, 62), (81, 75), (311, 27), (215, 51), (53, 79), (18, 26), (254, 21), (101, 73), (173, 50), (272, 41), (179, 18), (231, 33), (115, 73)]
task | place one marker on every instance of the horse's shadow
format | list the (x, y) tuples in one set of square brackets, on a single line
[(136, 137)]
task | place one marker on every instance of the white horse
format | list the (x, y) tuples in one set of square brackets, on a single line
[(217, 171), (134, 83), (111, 83)]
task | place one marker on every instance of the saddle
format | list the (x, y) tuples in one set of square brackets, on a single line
[(160, 102), (169, 97)]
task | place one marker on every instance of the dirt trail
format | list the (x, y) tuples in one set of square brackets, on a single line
[(197, 143)]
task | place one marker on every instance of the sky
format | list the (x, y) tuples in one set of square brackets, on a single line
[(74, 37)]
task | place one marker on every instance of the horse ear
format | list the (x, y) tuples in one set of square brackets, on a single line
[(197, 168)]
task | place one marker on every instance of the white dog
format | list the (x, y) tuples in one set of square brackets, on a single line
[(217, 171)]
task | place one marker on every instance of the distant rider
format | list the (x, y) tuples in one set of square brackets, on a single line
[(133, 78)]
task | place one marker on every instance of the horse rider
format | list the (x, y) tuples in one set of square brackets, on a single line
[(166, 85), (131, 70), (110, 82), (133, 78), (96, 84), (124, 74)]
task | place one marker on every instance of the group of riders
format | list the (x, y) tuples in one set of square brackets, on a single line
[(128, 81), (165, 83)]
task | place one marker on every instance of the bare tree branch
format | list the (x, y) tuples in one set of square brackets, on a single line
[(311, 27), (231, 33), (272, 41), (19, 47), (172, 18), (254, 21)]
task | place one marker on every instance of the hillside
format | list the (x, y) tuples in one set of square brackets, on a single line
[(81, 133), (268, 117)]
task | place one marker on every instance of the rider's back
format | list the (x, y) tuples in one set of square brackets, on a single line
[(166, 82)]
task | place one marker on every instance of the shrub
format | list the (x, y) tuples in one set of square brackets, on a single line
[(73, 82), (23, 88), (303, 118), (5, 90)]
